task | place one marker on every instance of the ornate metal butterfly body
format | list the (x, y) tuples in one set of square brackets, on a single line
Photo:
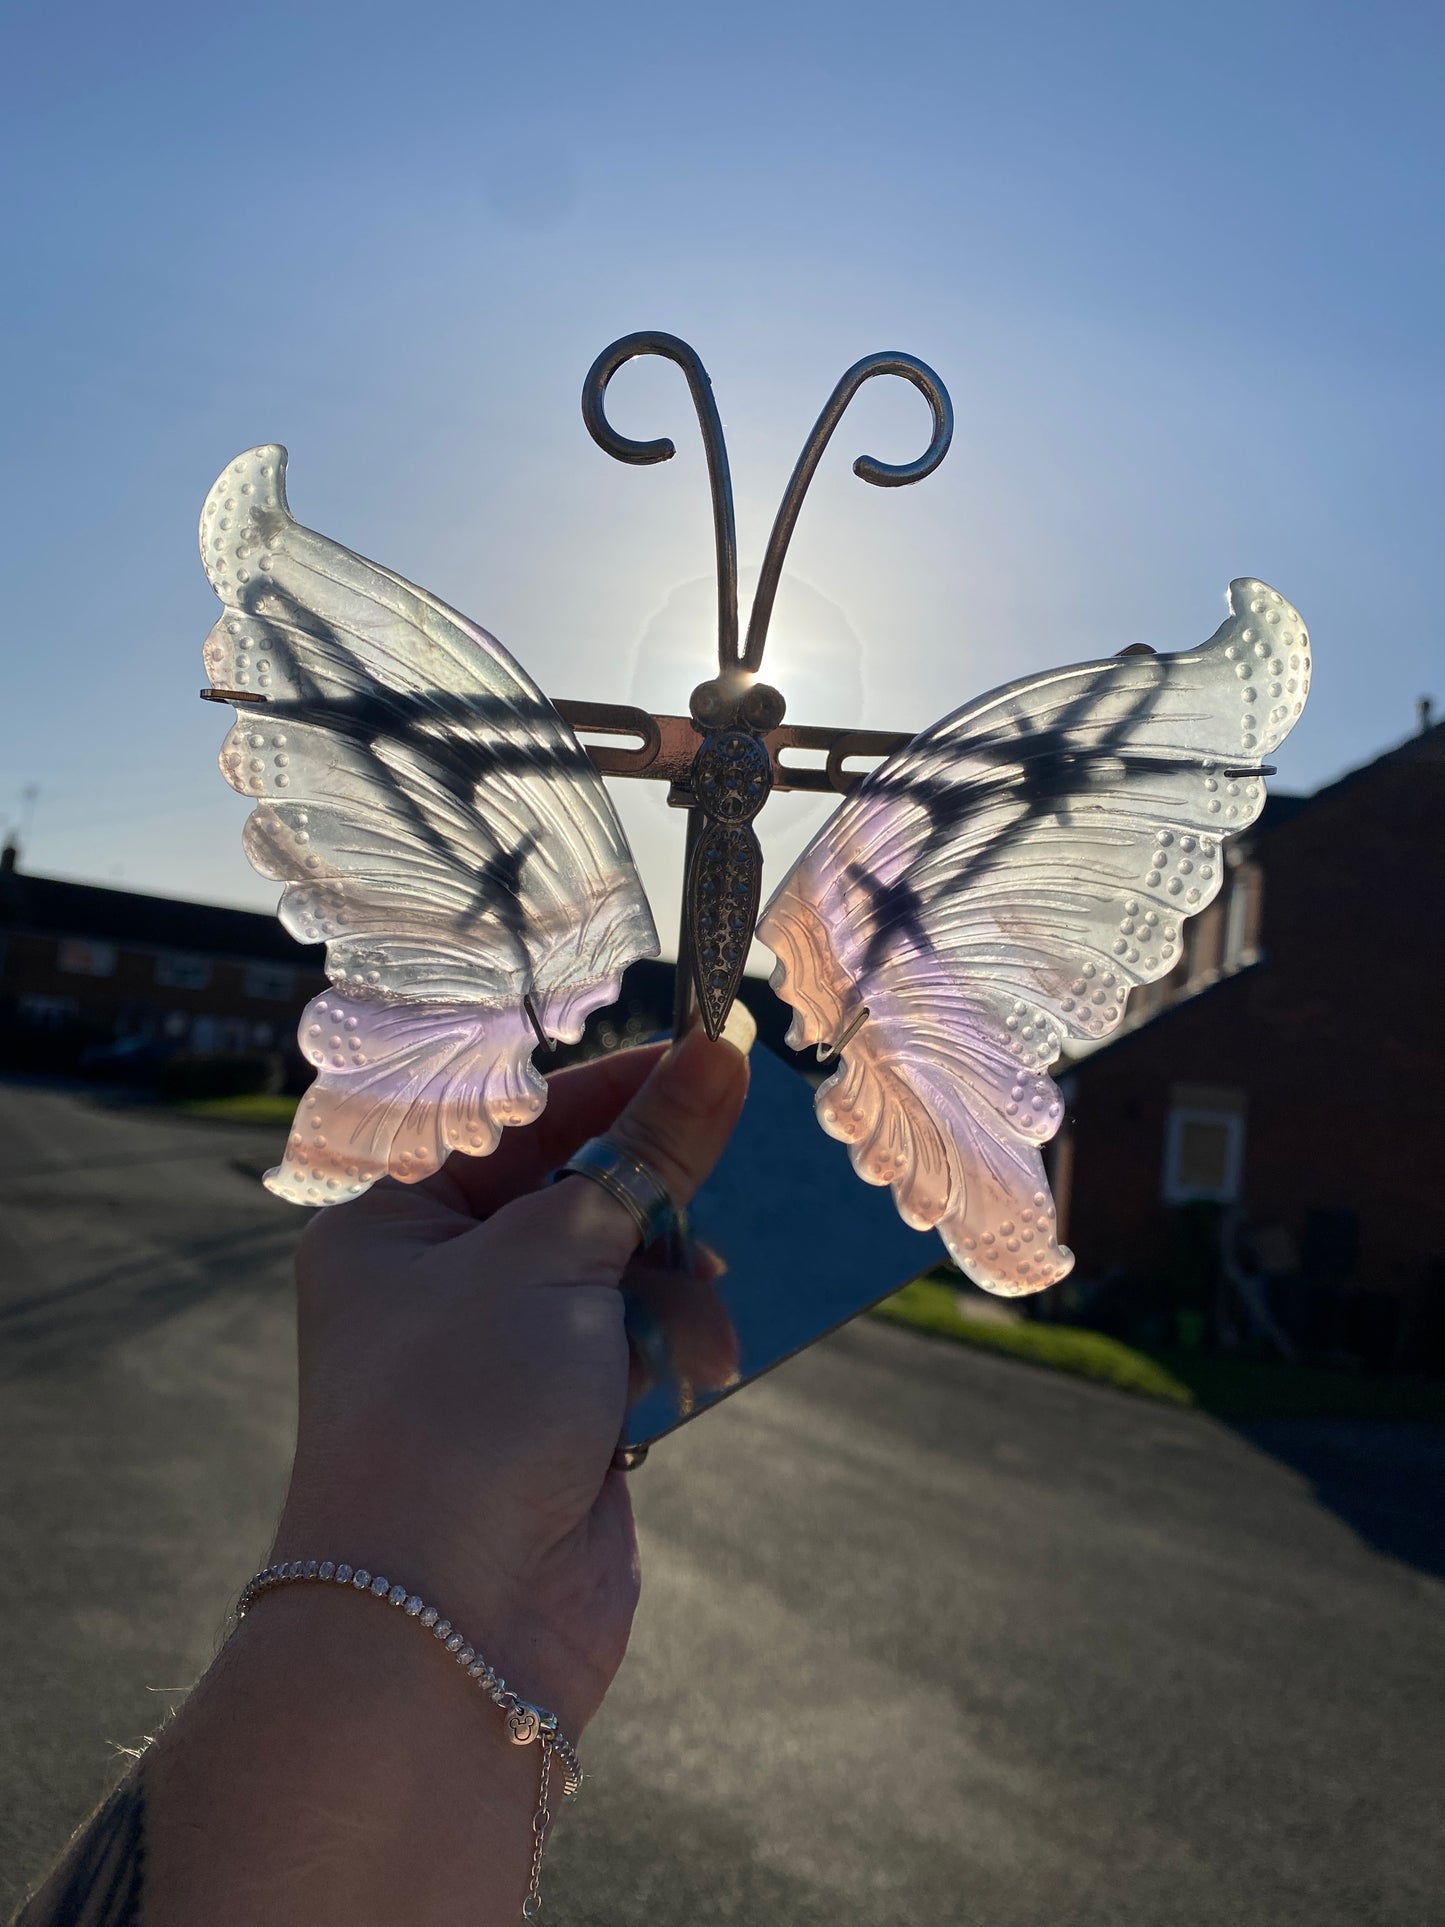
[(995, 887)]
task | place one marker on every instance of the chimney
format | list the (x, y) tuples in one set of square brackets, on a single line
[(8, 857), (1425, 710)]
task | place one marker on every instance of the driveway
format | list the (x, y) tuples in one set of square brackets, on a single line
[(926, 1635)]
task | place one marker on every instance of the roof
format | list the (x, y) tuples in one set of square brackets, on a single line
[(1280, 808), (1426, 746), (125, 916)]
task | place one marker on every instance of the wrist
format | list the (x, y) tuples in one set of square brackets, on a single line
[(507, 1616), (331, 1766)]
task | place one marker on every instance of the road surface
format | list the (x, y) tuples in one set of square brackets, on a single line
[(927, 1636)]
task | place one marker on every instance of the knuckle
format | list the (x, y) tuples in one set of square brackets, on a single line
[(596, 1232), (647, 1140)]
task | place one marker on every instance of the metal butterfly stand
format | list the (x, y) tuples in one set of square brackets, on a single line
[(756, 1279), (724, 759)]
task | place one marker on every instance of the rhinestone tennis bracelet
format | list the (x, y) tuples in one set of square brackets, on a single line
[(525, 1722)]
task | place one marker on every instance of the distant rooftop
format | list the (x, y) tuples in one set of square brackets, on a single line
[(1279, 807), (65, 909), (130, 916), (1427, 741)]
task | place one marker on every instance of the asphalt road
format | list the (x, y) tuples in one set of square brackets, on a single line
[(926, 1636)]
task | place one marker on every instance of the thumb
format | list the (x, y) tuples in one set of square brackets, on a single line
[(677, 1124)]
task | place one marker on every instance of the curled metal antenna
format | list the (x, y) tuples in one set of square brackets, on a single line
[(624, 449), (867, 468)]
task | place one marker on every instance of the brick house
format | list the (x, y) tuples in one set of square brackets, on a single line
[(81, 965), (1286, 1080)]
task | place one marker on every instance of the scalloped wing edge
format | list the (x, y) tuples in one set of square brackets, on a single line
[(998, 1224), (400, 1087)]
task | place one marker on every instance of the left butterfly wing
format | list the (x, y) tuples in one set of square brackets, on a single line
[(437, 825), (1004, 881)]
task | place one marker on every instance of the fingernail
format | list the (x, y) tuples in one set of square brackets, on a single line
[(740, 1029), (708, 1070)]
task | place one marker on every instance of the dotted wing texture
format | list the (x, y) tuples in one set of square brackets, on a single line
[(435, 823)]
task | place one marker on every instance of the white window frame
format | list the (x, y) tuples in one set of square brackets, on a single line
[(1173, 1189), (1243, 903), (1199, 974)]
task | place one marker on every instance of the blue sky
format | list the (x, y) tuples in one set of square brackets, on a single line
[(1180, 268)]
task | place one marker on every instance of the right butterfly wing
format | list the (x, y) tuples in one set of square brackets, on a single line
[(1003, 881), (437, 825)]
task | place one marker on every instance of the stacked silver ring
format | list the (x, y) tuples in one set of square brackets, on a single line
[(634, 1186)]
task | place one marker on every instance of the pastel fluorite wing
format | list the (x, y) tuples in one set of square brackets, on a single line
[(1002, 883), (437, 826)]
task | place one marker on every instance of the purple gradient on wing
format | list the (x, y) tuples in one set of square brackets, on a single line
[(1003, 882), (935, 1096)]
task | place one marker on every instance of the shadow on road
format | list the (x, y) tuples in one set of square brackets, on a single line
[(91, 1313), (1385, 1478)]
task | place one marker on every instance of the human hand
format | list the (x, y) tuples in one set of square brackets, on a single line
[(679, 1327), (464, 1370)]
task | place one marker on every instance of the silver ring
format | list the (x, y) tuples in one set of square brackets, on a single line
[(634, 1185)]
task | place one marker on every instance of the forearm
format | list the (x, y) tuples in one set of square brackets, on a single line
[(334, 1766)]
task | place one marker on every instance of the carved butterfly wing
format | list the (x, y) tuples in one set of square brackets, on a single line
[(1003, 882), (437, 826)]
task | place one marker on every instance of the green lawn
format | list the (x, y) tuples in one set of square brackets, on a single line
[(257, 1108), (931, 1306), (1229, 1388), (1251, 1388)]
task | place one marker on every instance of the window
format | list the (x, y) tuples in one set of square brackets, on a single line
[(1203, 948), (1145, 999), (1241, 923), (275, 982), (84, 957), (1203, 1154), (227, 1036), (179, 971), (47, 1011)]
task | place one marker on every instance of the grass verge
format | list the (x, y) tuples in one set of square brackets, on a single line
[(931, 1306), (1241, 1389), (1236, 1390), (258, 1107)]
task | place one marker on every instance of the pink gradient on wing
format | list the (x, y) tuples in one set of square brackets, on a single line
[(400, 1086), (922, 1099)]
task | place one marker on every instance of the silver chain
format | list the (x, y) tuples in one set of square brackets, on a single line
[(541, 1820), (525, 1722)]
